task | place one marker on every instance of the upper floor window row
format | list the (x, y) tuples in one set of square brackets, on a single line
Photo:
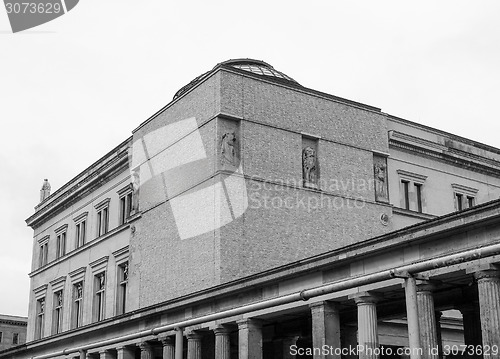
[(81, 227), (412, 193)]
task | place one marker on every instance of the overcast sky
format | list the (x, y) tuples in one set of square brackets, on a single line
[(74, 88)]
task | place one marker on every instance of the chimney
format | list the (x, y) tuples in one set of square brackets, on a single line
[(45, 191)]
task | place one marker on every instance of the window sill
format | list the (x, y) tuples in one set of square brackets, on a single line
[(80, 249), (414, 214)]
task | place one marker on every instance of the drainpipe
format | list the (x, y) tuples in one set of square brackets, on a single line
[(403, 271)]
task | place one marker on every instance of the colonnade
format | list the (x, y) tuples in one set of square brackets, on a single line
[(481, 322)]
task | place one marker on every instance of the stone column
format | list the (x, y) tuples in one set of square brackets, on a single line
[(146, 351), (168, 348), (412, 317), (105, 354), (439, 314), (194, 345), (179, 343), (123, 352), (249, 339), (222, 343), (82, 354), (367, 324), (325, 328), (427, 319), (472, 326), (488, 285)]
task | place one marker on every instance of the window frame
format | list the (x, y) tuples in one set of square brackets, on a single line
[(463, 196), (412, 191), (99, 310), (43, 254), (57, 315), (15, 338), (102, 217), (80, 229), (40, 294), (121, 295), (61, 241), (99, 291), (77, 278), (124, 204)]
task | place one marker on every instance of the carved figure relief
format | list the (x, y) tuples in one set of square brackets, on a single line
[(79, 290), (125, 272), (309, 170), (229, 153), (136, 183), (380, 173), (59, 299), (42, 306), (101, 281)]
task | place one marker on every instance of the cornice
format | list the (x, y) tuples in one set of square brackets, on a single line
[(445, 154), (94, 176)]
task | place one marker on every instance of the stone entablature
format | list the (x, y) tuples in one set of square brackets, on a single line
[(107, 167), (454, 156)]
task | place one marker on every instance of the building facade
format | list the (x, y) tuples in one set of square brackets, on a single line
[(12, 331), (252, 217)]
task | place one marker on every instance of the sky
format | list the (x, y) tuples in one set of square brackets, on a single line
[(74, 88)]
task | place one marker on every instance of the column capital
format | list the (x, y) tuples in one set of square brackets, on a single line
[(327, 306), (194, 335), (365, 298), (427, 286), (103, 351), (221, 330), (144, 346), (249, 323), (166, 340), (492, 274)]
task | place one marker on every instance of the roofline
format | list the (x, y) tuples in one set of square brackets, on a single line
[(221, 66), (51, 201), (466, 140)]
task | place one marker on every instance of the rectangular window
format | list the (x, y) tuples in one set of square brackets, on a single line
[(1, 335), (40, 317), (15, 338), (471, 201), (61, 244), (77, 311), (99, 296), (406, 193), (80, 233), (125, 207), (418, 190), (459, 201), (102, 221), (121, 298), (44, 253), (58, 307)]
